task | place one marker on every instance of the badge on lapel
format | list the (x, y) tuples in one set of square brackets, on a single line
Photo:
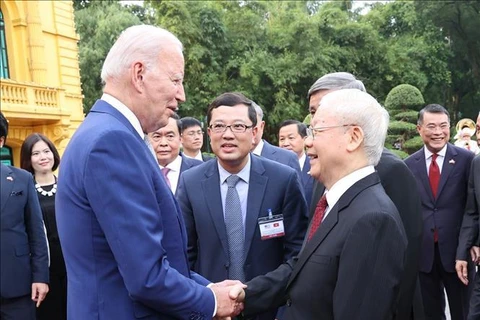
[(9, 178), (451, 161)]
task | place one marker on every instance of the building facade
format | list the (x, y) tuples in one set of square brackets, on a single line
[(39, 73)]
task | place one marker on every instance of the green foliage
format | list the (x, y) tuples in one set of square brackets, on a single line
[(97, 35), (401, 154), (401, 127), (413, 144), (404, 96), (408, 116)]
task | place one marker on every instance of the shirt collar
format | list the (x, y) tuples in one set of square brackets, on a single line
[(442, 153), (125, 111), (301, 160), (342, 185), (175, 164), (244, 174), (258, 149)]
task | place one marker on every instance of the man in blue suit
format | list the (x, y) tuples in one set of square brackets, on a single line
[(122, 233), (262, 148), (24, 251), (166, 143), (291, 136), (271, 207), (441, 171)]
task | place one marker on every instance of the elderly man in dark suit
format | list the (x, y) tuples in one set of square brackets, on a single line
[(400, 186), (441, 170), (271, 217), (24, 251), (166, 143), (352, 261)]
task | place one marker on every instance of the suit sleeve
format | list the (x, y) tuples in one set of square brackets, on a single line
[(370, 269), (121, 188), (187, 211), (268, 291), (469, 232), (36, 236)]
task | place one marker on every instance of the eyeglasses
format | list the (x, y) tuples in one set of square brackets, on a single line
[(236, 127), (194, 133), (432, 127), (169, 136), (312, 132)]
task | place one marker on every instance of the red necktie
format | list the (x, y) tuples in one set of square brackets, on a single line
[(434, 177), (165, 171), (318, 216)]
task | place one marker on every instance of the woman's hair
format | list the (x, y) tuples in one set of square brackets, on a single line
[(26, 152)]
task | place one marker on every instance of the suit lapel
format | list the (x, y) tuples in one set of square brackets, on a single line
[(256, 192), (318, 190), (421, 167), (7, 182), (211, 191), (305, 170), (447, 167)]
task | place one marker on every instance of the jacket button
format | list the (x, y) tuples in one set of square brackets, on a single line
[(289, 302)]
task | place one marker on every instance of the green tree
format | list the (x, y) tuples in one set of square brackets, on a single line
[(403, 103), (94, 24)]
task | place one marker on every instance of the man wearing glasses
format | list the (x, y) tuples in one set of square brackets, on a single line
[(245, 215), (166, 144), (192, 139)]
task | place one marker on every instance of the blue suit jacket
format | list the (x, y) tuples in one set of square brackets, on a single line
[(122, 233), (271, 186), (282, 156), (187, 163), (24, 253), (446, 211), (307, 181)]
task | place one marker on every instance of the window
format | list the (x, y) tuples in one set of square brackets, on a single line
[(6, 156), (3, 49)]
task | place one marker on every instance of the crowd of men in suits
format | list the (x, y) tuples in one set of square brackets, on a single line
[(329, 225)]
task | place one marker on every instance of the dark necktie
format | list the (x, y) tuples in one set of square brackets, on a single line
[(235, 231), (434, 177), (165, 172), (318, 216)]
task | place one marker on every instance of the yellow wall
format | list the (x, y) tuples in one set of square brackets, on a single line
[(43, 93)]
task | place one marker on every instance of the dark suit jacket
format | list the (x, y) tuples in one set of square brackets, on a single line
[(24, 253), (350, 269), (187, 163), (272, 186), (469, 232), (400, 185), (307, 181), (122, 232), (446, 211), (206, 157)]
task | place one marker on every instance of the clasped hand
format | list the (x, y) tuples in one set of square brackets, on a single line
[(230, 295)]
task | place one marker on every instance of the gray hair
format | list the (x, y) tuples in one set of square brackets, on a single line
[(141, 42), (353, 106), (336, 81), (258, 110)]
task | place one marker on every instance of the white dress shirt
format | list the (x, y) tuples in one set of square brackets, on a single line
[(258, 149), (174, 174), (440, 158)]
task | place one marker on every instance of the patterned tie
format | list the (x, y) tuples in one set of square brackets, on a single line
[(434, 177), (235, 232), (165, 172), (318, 216)]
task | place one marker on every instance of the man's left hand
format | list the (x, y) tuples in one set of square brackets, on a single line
[(39, 292)]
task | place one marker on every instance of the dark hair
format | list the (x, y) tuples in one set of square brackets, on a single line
[(178, 121), (3, 126), (301, 127), (188, 122), (432, 108), (231, 99), (26, 152)]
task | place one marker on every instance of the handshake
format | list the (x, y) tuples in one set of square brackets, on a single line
[(230, 295)]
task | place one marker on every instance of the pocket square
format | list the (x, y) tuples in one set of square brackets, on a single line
[(16, 193)]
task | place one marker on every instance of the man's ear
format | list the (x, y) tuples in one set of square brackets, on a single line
[(137, 75), (355, 138)]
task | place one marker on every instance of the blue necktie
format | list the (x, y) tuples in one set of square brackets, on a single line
[(235, 231)]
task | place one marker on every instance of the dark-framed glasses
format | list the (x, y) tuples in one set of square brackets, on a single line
[(236, 127)]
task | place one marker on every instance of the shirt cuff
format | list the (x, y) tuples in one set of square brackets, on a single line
[(215, 298)]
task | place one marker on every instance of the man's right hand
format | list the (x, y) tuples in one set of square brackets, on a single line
[(461, 266), (227, 305)]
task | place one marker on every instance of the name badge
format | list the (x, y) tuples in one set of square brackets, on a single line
[(271, 226)]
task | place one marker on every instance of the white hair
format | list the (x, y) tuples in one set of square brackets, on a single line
[(352, 106), (258, 110), (137, 43)]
